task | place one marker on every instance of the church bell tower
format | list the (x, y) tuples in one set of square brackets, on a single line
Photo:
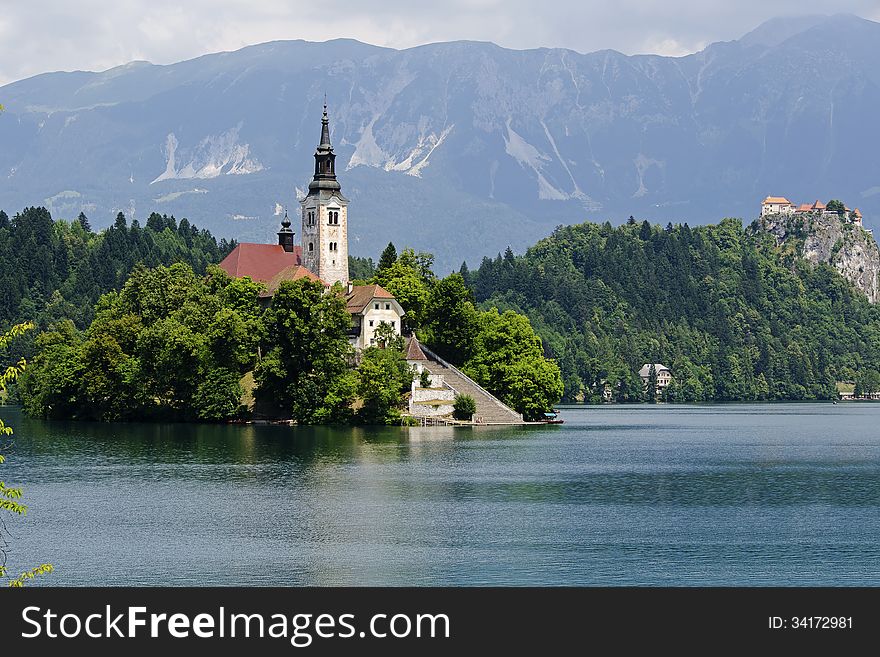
[(325, 216)]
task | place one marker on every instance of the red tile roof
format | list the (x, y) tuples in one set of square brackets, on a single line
[(818, 205), (777, 200), (361, 295), (414, 350), (261, 262), (804, 207), (292, 273)]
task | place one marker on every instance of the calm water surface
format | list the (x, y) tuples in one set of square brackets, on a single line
[(761, 494)]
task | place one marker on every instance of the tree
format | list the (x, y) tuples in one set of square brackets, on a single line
[(651, 386), (170, 345), (464, 407), (305, 370), (387, 338), (10, 497), (835, 205), (218, 396), (867, 383), (509, 361), (451, 322), (388, 257), (83, 221), (361, 269), (425, 378), (382, 376), (406, 281)]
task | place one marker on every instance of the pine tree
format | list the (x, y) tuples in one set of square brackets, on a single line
[(84, 222), (4, 220), (651, 390), (388, 257)]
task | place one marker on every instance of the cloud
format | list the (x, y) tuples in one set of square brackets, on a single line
[(99, 34)]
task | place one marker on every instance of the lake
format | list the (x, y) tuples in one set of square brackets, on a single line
[(750, 494)]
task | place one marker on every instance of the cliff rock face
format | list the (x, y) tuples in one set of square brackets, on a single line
[(828, 238)]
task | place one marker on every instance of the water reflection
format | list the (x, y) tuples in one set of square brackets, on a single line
[(757, 494)]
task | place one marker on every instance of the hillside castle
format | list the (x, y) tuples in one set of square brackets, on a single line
[(781, 205)]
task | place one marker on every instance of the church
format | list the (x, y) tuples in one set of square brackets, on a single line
[(322, 255)]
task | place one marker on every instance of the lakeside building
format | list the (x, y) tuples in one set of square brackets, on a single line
[(323, 254), (664, 375)]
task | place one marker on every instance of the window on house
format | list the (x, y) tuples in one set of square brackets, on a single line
[(392, 324), (371, 322), (387, 306), (376, 306), (311, 247)]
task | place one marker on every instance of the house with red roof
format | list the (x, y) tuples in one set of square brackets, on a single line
[(325, 228), (776, 205)]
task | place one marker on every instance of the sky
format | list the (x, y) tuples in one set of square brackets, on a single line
[(37, 36)]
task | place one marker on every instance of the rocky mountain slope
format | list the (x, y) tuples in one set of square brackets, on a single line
[(463, 147), (828, 238)]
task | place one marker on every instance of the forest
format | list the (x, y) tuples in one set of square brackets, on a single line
[(733, 316), (55, 270), (175, 345), (137, 324)]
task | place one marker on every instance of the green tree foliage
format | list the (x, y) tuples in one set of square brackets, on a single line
[(836, 205), (382, 376), (464, 407), (409, 278), (83, 221), (387, 338), (305, 371), (509, 361), (651, 386), (56, 270), (735, 317), (867, 383), (452, 321), (169, 345), (425, 379), (388, 257), (360, 269), (11, 496)]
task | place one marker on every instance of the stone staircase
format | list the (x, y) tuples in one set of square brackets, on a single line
[(490, 410)]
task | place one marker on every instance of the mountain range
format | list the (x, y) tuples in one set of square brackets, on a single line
[(459, 148)]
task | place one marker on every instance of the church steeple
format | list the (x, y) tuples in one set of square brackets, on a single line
[(325, 130), (325, 161), (325, 216)]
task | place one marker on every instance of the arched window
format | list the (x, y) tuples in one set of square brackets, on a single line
[(311, 247)]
